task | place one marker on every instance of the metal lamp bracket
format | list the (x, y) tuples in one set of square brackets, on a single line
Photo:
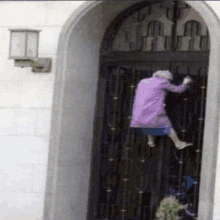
[(39, 65)]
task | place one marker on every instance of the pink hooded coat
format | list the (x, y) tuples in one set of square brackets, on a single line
[(149, 108)]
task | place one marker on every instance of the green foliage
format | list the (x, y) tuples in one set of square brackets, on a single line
[(169, 208)]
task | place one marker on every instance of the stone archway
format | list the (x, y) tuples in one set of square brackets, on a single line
[(74, 108)]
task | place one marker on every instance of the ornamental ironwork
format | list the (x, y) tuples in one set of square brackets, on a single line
[(129, 179)]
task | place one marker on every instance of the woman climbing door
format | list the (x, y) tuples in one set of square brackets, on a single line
[(148, 110)]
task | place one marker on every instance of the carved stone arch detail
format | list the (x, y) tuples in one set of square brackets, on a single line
[(189, 14), (192, 28), (116, 23), (132, 32), (155, 29)]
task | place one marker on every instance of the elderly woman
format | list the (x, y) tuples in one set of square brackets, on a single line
[(149, 108)]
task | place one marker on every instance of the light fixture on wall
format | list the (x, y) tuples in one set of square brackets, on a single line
[(24, 50)]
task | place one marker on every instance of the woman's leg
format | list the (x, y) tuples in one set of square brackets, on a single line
[(178, 143), (151, 141), (150, 136), (173, 136)]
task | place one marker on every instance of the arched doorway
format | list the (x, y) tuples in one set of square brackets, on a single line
[(74, 101), (131, 178)]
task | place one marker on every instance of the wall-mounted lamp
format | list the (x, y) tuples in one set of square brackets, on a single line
[(24, 50)]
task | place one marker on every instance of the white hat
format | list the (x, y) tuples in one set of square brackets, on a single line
[(164, 74)]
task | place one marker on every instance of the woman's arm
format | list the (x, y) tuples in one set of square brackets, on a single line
[(177, 89)]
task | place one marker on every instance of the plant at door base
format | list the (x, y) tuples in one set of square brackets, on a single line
[(169, 208)]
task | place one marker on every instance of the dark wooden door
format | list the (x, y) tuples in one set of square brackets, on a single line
[(129, 179)]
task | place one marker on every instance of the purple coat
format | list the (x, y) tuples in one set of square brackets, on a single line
[(149, 108)]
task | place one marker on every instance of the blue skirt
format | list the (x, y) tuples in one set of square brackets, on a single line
[(152, 131)]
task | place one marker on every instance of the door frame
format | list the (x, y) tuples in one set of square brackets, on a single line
[(52, 204)]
